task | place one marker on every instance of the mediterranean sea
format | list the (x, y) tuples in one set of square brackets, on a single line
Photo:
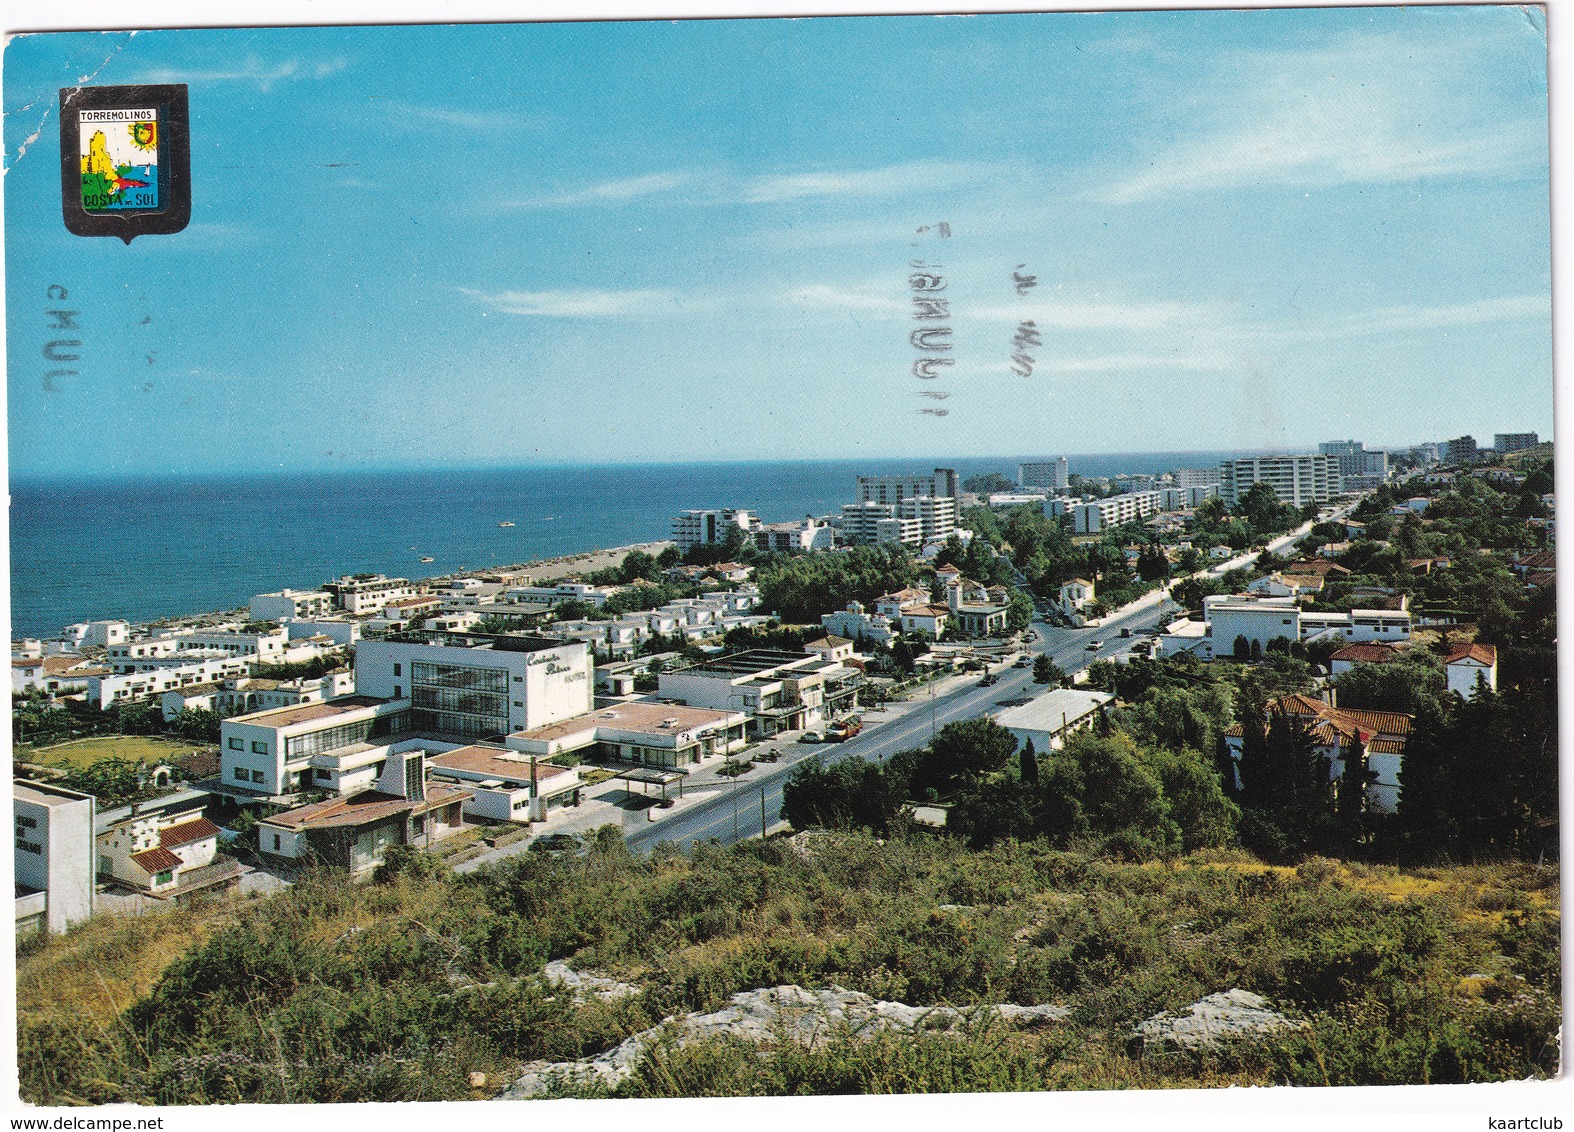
[(153, 547)]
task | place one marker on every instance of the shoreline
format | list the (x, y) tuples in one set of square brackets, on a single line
[(542, 570)]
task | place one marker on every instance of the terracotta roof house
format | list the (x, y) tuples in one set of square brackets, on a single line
[(1471, 666), (1339, 734)]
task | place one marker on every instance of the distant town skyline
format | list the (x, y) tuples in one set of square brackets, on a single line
[(624, 242)]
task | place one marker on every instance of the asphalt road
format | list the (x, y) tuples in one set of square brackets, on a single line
[(741, 812), (735, 814)]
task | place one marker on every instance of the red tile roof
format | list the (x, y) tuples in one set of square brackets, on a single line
[(1374, 653), (186, 832), (156, 860), (1485, 654)]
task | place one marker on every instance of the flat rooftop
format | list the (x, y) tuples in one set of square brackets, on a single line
[(304, 713), (637, 716), (1046, 712), (756, 661), (494, 762), (45, 794)]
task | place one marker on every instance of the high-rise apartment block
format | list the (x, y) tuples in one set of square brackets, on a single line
[(1053, 475), (911, 510), (1514, 441), (1359, 468), (1296, 479), (707, 528)]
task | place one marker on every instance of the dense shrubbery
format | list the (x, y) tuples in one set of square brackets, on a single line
[(398, 990)]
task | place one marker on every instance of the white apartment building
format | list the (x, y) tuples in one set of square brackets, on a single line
[(563, 591), (1098, 514), (1195, 477), (942, 484), (708, 527), (1513, 442), (1296, 479), (474, 687), (649, 734), (246, 695), (1359, 468), (155, 680), (782, 691), (165, 853), (912, 521), (1052, 475), (291, 604), (94, 634), (339, 745), (806, 534), (1258, 620), (368, 593), (54, 856)]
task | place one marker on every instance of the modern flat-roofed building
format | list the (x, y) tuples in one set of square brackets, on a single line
[(478, 686), (1195, 477), (1359, 468), (1048, 719), (805, 534), (783, 691), (704, 527), (1513, 442), (1051, 475), (1297, 479), (503, 784), (649, 734), (367, 593), (1461, 450), (1098, 514), (54, 862), (291, 604), (942, 484), (339, 745)]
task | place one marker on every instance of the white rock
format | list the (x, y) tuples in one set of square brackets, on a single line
[(791, 1013), (1222, 1017)]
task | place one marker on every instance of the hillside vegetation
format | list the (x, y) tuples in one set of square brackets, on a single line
[(400, 989)]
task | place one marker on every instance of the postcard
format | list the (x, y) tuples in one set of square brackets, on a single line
[(666, 559)]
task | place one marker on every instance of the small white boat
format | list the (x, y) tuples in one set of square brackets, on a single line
[(506, 523), (427, 558)]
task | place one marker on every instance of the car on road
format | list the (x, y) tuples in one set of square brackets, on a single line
[(811, 737), (1023, 662), (989, 681), (1094, 646)]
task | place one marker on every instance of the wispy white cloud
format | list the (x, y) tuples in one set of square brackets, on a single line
[(478, 121), (254, 70), (1411, 319), (1097, 314), (711, 187), (578, 303), (616, 191), (1105, 363), (918, 176), (1367, 110), (840, 298)]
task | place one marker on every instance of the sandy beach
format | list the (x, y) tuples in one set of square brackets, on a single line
[(556, 569)]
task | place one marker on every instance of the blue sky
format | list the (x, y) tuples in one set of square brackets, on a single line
[(665, 241)]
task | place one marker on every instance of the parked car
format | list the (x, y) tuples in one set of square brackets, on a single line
[(1125, 632), (1094, 646), (989, 681), (1023, 662), (811, 737)]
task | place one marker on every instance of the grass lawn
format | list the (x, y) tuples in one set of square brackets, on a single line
[(85, 752)]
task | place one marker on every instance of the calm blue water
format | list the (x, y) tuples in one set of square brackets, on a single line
[(142, 549)]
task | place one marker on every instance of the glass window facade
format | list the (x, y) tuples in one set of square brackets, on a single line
[(460, 700)]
